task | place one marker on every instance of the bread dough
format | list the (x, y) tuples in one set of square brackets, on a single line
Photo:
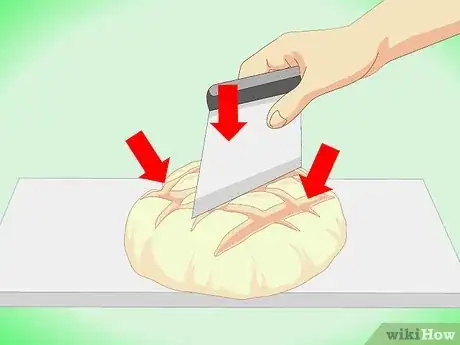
[(264, 242)]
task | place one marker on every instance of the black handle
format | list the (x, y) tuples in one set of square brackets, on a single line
[(258, 87)]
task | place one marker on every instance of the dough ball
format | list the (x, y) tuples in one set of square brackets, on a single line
[(264, 242)]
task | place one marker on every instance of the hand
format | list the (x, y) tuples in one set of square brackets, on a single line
[(331, 59), (328, 60)]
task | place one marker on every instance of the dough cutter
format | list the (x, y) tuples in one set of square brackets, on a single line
[(258, 154)]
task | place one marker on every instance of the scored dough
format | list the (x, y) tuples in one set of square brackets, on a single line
[(264, 242)]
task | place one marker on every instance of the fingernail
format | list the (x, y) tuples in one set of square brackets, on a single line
[(276, 120)]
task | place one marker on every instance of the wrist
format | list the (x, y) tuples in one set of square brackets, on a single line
[(370, 35)]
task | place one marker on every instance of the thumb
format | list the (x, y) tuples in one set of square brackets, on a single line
[(291, 105)]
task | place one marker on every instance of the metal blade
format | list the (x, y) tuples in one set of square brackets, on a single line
[(255, 156)]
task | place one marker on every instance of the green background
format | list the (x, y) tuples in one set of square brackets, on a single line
[(77, 78)]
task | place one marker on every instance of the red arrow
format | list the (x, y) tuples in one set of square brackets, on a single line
[(315, 182), (154, 168), (227, 102)]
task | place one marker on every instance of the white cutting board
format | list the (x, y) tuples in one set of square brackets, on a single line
[(62, 244)]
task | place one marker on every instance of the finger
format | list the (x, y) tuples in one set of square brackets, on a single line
[(271, 57), (262, 65), (311, 87), (254, 65), (291, 105)]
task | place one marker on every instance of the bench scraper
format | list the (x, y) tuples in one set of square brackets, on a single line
[(257, 154)]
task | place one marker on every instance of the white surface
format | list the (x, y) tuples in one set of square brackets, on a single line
[(62, 243), (261, 148)]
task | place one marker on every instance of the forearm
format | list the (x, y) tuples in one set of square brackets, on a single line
[(401, 27)]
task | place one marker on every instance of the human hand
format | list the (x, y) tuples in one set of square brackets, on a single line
[(328, 60)]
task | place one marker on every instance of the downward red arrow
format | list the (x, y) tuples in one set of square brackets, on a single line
[(315, 182), (154, 168), (227, 103)]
